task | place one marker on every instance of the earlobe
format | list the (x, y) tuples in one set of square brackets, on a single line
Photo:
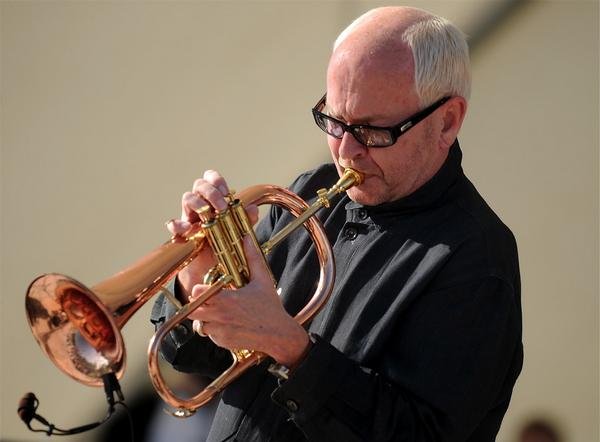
[(454, 114)]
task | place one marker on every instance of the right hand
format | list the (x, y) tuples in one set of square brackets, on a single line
[(211, 189)]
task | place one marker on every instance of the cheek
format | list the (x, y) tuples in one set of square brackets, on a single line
[(334, 148), (382, 160)]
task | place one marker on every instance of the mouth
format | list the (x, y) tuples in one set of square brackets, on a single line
[(354, 175), (364, 175)]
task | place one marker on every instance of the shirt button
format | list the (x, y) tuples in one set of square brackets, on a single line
[(362, 213), (182, 329), (351, 233), (291, 405)]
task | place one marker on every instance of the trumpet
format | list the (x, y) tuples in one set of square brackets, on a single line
[(78, 328)]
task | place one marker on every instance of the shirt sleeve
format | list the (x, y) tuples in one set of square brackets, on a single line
[(184, 349), (435, 383)]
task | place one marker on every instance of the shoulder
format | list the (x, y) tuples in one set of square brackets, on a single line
[(487, 244)]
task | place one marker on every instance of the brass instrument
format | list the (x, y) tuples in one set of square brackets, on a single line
[(79, 328)]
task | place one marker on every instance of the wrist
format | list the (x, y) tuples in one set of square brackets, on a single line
[(297, 357), (284, 367)]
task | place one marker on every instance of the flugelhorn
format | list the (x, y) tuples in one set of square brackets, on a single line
[(79, 328)]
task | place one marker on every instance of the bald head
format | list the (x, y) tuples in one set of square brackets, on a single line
[(381, 26), (408, 42)]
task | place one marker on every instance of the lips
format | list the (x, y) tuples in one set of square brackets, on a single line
[(365, 176)]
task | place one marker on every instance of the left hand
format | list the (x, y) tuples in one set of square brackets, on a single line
[(253, 316)]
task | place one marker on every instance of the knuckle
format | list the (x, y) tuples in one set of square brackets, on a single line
[(212, 193), (225, 335), (194, 316), (192, 201), (211, 173), (206, 190), (198, 183), (216, 179)]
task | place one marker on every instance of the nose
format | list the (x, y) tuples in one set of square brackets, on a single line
[(350, 150)]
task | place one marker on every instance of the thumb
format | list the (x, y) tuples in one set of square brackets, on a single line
[(257, 264), (252, 211)]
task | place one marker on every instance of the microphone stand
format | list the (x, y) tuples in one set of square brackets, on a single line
[(29, 404)]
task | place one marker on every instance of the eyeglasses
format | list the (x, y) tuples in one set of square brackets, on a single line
[(365, 134)]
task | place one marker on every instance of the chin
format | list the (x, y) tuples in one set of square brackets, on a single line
[(364, 197)]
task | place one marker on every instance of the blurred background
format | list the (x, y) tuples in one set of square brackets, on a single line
[(110, 110)]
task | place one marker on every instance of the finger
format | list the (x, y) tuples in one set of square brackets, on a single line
[(191, 202), (208, 329), (256, 262), (252, 211), (211, 194), (198, 327), (201, 313), (178, 226), (215, 178), (252, 252), (211, 315), (220, 309), (216, 300), (198, 289)]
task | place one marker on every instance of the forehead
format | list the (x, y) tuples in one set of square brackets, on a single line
[(368, 83)]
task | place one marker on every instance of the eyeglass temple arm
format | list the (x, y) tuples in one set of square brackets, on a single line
[(419, 116)]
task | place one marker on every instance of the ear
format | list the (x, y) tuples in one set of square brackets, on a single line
[(454, 111)]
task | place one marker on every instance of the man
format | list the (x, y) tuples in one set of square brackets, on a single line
[(421, 338)]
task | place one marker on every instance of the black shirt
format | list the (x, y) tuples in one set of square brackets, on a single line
[(420, 340)]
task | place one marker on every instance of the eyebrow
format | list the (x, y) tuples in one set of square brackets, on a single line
[(368, 121)]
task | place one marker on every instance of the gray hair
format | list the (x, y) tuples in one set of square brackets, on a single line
[(441, 57), (440, 53)]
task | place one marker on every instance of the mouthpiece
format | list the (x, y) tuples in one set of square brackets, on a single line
[(349, 178)]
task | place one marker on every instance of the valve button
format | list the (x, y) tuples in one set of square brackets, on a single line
[(291, 405)]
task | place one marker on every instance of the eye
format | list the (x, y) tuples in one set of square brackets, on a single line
[(373, 137), (335, 129)]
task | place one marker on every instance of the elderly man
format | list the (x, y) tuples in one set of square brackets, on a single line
[(421, 338)]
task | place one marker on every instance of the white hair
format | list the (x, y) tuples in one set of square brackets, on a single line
[(441, 57), (440, 53)]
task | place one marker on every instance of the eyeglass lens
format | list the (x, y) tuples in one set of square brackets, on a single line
[(365, 135)]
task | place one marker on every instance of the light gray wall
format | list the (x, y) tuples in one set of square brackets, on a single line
[(531, 145), (110, 110)]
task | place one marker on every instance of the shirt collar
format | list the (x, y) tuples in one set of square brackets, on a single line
[(424, 196)]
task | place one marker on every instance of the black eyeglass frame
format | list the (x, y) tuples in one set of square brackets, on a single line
[(395, 131)]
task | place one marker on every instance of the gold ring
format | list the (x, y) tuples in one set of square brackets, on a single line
[(198, 326)]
